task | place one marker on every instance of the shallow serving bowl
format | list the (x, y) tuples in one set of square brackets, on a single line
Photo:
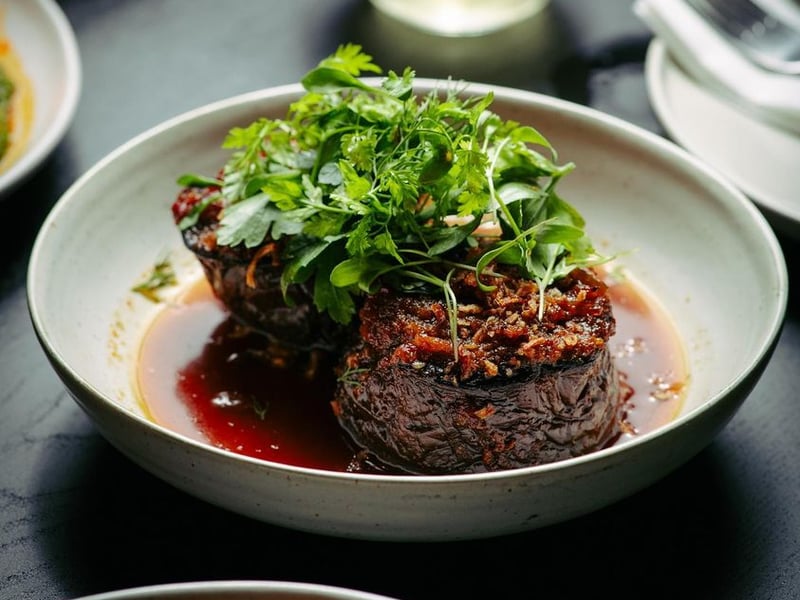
[(695, 242), (237, 590)]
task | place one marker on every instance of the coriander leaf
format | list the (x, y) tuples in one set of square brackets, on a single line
[(285, 191), (351, 59), (249, 222), (355, 186), (286, 223), (330, 174), (359, 240), (323, 224), (359, 149), (557, 233), (470, 203), (348, 272), (336, 301), (383, 109), (384, 243), (361, 271), (399, 86), (529, 135), (244, 137), (439, 164), (299, 261), (448, 238), (327, 80)]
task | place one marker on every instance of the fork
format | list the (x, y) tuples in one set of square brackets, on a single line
[(762, 37)]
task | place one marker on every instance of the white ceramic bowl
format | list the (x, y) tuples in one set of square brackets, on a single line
[(701, 248), (45, 43), (237, 590)]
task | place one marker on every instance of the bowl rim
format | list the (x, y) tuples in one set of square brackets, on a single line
[(179, 589), (614, 125)]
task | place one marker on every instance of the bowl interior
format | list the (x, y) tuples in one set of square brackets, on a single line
[(698, 246)]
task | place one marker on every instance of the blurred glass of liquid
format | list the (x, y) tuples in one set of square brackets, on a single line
[(460, 17)]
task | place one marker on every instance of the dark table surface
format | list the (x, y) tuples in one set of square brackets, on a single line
[(76, 517)]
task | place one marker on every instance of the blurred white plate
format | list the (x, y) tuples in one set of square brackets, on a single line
[(760, 159), (45, 43)]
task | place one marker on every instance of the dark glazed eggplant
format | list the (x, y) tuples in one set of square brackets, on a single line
[(248, 282), (523, 392)]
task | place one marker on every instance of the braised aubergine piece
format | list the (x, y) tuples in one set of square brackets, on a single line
[(523, 392), (248, 281)]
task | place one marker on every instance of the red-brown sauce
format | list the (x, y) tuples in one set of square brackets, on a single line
[(203, 376)]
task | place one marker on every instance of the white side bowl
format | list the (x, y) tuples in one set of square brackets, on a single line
[(237, 590), (701, 247), (45, 43)]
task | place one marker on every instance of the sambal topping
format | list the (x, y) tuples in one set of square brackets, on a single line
[(17, 103), (499, 331)]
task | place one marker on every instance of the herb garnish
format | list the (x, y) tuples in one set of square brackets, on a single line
[(374, 185), (161, 276)]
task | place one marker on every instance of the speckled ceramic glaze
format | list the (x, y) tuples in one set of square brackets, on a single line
[(691, 239), (46, 46)]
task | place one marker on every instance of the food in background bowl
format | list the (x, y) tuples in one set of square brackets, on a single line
[(40, 57), (16, 104)]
